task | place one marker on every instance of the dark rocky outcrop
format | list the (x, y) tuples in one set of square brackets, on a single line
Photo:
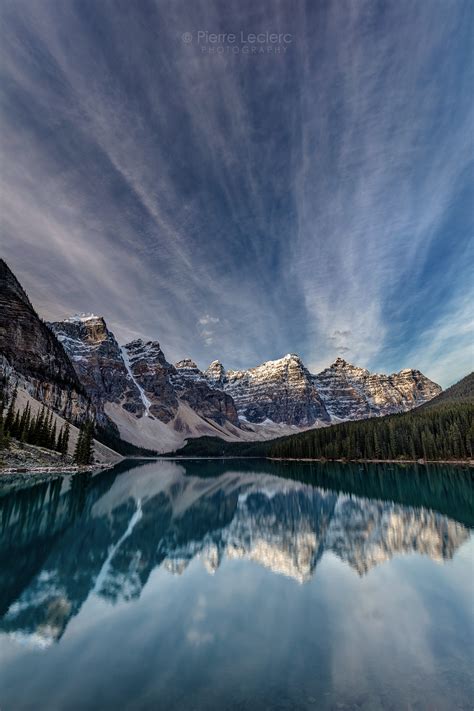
[(98, 361), (137, 376), (210, 402), (32, 357), (152, 373)]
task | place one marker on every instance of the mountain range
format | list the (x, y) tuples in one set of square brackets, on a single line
[(77, 367)]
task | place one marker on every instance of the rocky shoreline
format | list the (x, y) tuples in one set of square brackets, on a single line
[(22, 464), (19, 478)]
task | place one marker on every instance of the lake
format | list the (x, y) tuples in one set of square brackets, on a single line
[(239, 585)]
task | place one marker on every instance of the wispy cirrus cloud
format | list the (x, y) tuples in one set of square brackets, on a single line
[(207, 328), (316, 202)]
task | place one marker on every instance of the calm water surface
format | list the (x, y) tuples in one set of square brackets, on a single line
[(239, 585)]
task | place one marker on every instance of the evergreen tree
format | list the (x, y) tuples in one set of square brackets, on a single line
[(25, 423), (15, 427), (10, 413), (444, 432), (87, 444), (83, 450), (52, 440), (48, 435), (78, 449), (4, 438), (65, 439), (59, 441), (38, 428)]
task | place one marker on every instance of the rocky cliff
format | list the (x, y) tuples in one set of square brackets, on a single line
[(98, 361), (32, 357), (139, 389), (256, 403), (205, 398)]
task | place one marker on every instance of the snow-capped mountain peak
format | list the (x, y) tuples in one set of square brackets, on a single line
[(83, 318)]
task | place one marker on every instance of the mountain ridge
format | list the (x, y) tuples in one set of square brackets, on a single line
[(152, 403), (257, 403)]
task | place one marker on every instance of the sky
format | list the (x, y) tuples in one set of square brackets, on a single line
[(240, 199)]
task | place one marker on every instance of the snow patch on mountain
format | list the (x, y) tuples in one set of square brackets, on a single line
[(146, 402)]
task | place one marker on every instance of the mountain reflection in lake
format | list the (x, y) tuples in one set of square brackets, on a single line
[(215, 585)]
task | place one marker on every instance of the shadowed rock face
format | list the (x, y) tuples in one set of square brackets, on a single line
[(152, 373), (98, 362), (31, 355), (210, 402), (137, 376), (285, 391)]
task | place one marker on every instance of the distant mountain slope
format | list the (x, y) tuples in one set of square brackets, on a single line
[(34, 361), (440, 431), (462, 391), (352, 393), (280, 390)]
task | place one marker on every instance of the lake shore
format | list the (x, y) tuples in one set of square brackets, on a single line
[(20, 477), (451, 462), (322, 460)]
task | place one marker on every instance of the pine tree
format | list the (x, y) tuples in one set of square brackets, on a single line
[(59, 441), (49, 444), (2, 396), (25, 424), (10, 413), (15, 427), (38, 428), (79, 447), (52, 441), (83, 450), (65, 439), (4, 438), (87, 445)]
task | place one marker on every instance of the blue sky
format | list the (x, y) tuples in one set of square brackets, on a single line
[(240, 206)]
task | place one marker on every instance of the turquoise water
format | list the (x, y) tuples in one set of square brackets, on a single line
[(239, 585)]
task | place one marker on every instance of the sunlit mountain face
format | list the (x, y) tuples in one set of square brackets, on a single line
[(63, 544)]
